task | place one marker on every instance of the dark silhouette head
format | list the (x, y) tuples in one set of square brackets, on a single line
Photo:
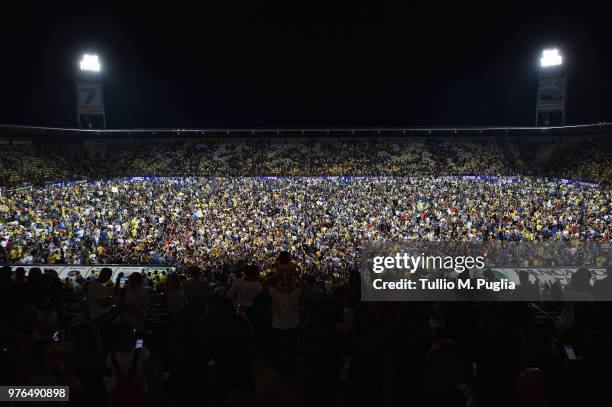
[(105, 275), (35, 275), (581, 279), (284, 257)]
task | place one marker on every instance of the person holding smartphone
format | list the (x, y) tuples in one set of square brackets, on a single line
[(126, 367)]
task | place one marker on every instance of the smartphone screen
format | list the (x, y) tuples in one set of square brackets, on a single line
[(139, 343), (569, 351)]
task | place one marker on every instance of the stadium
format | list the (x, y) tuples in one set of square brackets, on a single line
[(304, 180), (178, 202), (245, 265)]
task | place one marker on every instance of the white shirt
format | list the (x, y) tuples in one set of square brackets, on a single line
[(124, 360), (285, 308), (243, 292), (95, 293)]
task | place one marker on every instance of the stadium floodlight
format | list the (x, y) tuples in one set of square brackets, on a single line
[(90, 63), (550, 57)]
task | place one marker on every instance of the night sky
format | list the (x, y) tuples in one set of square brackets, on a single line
[(299, 64)]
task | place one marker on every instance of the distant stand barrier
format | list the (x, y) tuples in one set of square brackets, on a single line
[(91, 271), (26, 188), (493, 178)]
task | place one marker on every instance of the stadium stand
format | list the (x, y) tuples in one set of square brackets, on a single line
[(58, 157)]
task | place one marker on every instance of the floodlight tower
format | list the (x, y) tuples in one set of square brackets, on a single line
[(90, 93), (550, 109)]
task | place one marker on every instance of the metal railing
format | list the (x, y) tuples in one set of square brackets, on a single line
[(313, 131)]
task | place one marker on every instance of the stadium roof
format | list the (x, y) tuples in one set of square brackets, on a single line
[(583, 129)]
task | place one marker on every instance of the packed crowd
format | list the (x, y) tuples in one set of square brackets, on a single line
[(241, 338), (241, 325), (593, 163), (23, 164), (324, 221), (28, 163)]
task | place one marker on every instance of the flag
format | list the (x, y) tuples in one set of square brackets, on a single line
[(422, 206)]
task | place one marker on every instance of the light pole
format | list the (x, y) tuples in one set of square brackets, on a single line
[(550, 108), (90, 93)]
